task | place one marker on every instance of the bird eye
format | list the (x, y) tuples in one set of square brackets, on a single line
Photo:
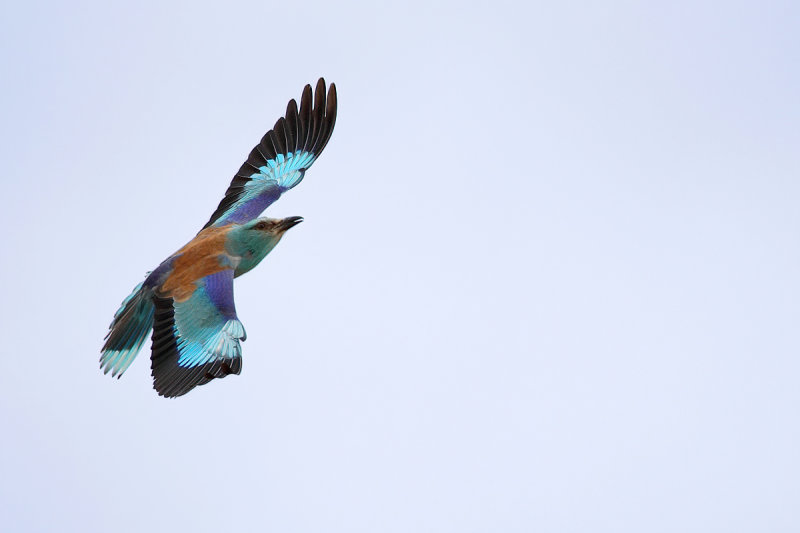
[(261, 226)]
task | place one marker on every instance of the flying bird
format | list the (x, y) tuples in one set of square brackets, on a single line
[(187, 301)]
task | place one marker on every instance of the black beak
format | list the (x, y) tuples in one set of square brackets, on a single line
[(289, 222)]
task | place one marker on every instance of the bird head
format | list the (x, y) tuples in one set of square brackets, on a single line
[(271, 227), (267, 232), (253, 240)]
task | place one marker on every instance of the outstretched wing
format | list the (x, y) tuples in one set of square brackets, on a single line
[(196, 340), (280, 160)]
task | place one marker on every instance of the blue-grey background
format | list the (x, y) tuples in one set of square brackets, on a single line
[(548, 278)]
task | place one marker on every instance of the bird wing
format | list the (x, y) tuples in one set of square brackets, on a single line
[(280, 160), (197, 339)]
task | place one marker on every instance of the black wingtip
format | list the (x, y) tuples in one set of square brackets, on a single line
[(330, 117), (320, 87), (291, 125)]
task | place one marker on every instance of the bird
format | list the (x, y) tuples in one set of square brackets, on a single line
[(187, 301)]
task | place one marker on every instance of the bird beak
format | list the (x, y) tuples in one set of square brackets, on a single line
[(289, 222)]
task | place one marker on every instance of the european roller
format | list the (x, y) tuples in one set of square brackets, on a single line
[(187, 301)]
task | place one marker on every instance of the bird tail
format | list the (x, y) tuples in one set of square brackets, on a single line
[(128, 331)]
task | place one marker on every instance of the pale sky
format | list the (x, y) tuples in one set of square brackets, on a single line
[(547, 281)]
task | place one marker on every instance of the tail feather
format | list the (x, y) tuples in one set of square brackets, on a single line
[(128, 331)]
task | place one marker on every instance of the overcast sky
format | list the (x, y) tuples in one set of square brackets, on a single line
[(547, 281)]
